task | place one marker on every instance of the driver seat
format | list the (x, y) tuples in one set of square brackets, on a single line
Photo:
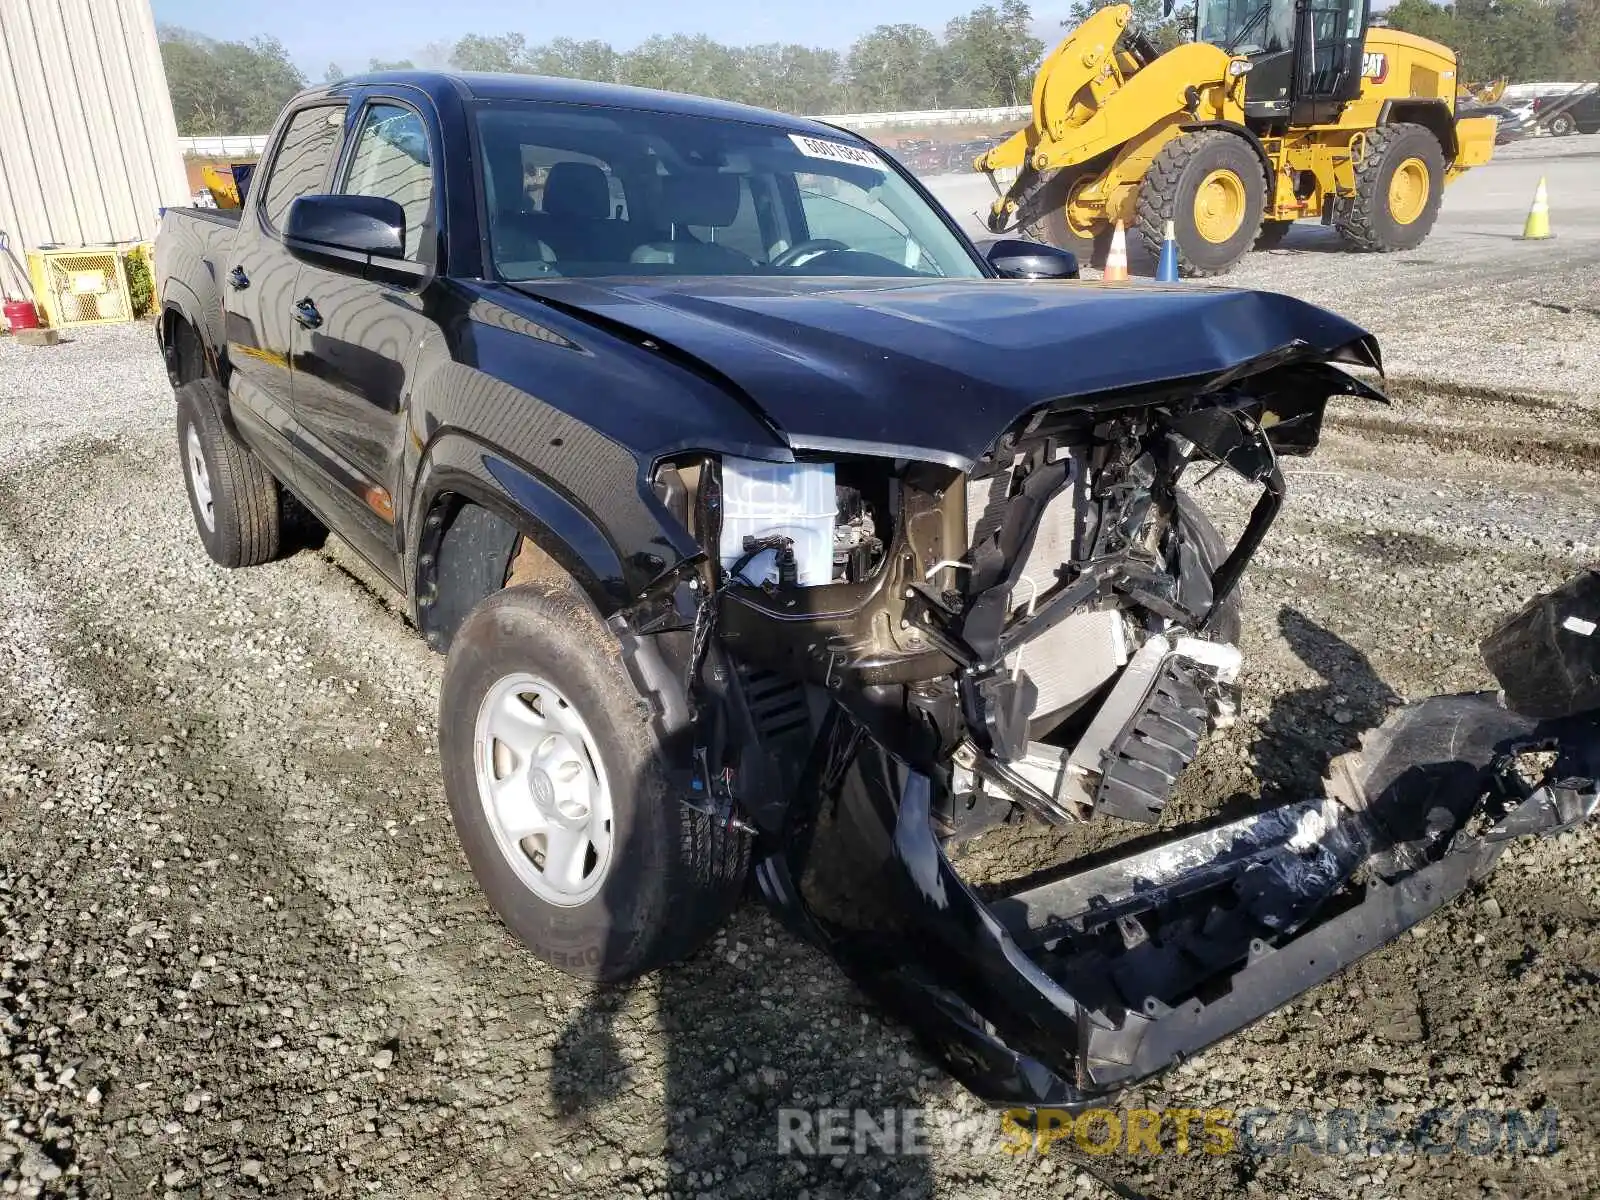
[(706, 199)]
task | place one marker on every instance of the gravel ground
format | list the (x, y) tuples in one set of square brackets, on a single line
[(240, 952)]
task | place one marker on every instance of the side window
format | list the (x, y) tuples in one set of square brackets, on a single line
[(301, 164), (839, 210), (391, 160)]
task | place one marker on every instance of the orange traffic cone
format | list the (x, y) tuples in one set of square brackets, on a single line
[(1117, 256), (1537, 226)]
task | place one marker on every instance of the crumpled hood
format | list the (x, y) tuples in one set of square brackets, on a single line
[(937, 369)]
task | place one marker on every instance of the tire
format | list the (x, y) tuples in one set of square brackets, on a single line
[(1210, 551), (668, 876), (1381, 217), (234, 499), (1562, 125), (1272, 234), (1210, 185), (1053, 227)]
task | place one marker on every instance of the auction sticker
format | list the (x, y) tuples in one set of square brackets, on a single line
[(835, 151)]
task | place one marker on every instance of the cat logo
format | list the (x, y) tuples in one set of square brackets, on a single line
[(1375, 66)]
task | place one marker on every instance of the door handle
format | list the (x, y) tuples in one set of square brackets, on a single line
[(306, 313), (238, 280)]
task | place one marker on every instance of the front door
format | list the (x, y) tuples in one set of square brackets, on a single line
[(258, 284), (358, 343), (1328, 58)]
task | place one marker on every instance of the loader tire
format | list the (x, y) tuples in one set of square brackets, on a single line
[(1399, 184), (1054, 227), (1272, 234), (1210, 185)]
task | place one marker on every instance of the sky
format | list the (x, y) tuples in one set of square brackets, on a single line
[(350, 32)]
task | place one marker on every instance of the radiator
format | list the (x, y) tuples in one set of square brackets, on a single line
[(1083, 651)]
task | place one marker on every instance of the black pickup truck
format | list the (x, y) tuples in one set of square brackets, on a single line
[(773, 530)]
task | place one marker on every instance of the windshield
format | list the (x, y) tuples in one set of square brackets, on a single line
[(1246, 26), (574, 190)]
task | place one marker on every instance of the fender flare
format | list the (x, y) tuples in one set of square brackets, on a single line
[(173, 310), (179, 300), (1433, 115), (1268, 173), (457, 468)]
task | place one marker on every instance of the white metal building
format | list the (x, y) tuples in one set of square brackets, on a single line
[(88, 146)]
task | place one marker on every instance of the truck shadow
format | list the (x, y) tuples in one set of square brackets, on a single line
[(742, 1039), (696, 1067), (1307, 728)]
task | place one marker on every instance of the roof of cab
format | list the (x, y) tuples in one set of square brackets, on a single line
[(477, 85)]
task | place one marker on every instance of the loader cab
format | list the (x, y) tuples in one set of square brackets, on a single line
[(1305, 55)]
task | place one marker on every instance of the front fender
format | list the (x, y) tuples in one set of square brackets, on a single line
[(457, 464)]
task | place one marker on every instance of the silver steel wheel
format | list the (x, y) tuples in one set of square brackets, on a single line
[(543, 788), (200, 479)]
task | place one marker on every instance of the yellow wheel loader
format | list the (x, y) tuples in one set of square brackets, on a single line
[(1279, 110)]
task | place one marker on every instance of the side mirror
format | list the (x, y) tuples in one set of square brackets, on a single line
[(353, 234), (1017, 258)]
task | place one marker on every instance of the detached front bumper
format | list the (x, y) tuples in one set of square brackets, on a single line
[(1075, 988)]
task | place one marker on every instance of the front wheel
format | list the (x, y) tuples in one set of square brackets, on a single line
[(561, 793), (1399, 185), (1061, 226), (1210, 185), (1202, 551)]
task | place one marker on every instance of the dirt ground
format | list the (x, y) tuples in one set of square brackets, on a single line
[(240, 952)]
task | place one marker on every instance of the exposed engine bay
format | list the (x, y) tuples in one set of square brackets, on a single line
[(885, 655), (1050, 633)]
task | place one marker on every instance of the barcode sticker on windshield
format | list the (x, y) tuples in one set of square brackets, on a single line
[(836, 151)]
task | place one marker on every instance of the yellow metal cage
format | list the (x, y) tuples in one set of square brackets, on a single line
[(81, 287)]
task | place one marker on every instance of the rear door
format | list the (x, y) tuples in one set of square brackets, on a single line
[(258, 283), (360, 339)]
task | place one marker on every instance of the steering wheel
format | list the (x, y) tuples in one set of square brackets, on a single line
[(807, 249)]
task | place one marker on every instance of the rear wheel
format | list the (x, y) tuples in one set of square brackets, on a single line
[(1562, 125), (234, 499), (1209, 184), (1399, 186)]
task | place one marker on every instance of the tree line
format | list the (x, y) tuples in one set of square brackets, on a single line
[(1519, 40), (984, 58)]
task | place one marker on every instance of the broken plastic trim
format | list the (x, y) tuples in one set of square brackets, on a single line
[(1073, 989)]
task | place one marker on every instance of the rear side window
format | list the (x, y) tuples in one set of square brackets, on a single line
[(304, 156), (391, 160)]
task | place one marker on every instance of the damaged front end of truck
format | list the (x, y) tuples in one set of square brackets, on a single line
[(882, 655)]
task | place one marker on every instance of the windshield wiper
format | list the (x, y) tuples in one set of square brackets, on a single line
[(1247, 28)]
